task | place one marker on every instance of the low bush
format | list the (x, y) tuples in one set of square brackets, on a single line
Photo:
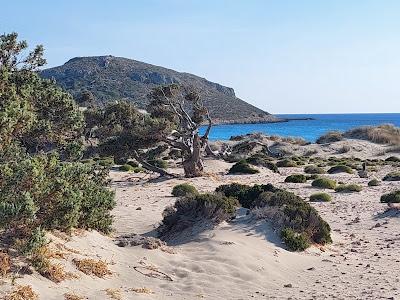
[(312, 177), (189, 210), (296, 178), (184, 189), (126, 168), (393, 159), (5, 264), (392, 176), (262, 161), (330, 137), (159, 163), (132, 163), (393, 197), (348, 188), (286, 163), (374, 182), (320, 197), (324, 183), (106, 162), (247, 195), (242, 167), (293, 240), (340, 169), (139, 170), (311, 169)]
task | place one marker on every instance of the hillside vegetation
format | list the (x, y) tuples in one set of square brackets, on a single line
[(110, 78)]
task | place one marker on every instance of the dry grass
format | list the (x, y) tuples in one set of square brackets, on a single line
[(114, 294), (41, 262), (142, 290), (90, 266), (5, 264), (382, 134), (22, 292), (71, 296)]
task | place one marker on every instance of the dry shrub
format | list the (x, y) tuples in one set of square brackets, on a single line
[(90, 266), (114, 294), (22, 292), (382, 134), (142, 290), (5, 264), (71, 296), (330, 137), (41, 262)]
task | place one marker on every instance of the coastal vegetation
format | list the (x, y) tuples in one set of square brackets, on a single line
[(320, 197), (184, 189), (324, 183)]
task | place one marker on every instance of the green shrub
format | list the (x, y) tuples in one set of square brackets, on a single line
[(393, 197), (286, 163), (192, 209), (247, 195), (54, 195), (139, 170), (106, 162), (374, 182), (126, 168), (294, 241), (263, 161), (348, 188), (242, 167), (159, 163), (296, 178), (393, 159), (324, 183), (132, 163), (313, 170), (320, 197), (392, 176), (312, 177), (340, 169), (184, 189)]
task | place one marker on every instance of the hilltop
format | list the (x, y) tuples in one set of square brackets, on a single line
[(111, 78)]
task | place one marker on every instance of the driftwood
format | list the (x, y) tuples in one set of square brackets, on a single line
[(152, 168)]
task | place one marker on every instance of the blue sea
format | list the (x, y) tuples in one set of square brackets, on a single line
[(310, 130)]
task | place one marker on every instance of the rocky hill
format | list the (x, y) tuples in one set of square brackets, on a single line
[(111, 78)]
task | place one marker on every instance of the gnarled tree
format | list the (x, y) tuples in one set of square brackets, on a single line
[(184, 108)]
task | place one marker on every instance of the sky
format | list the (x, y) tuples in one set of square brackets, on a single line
[(284, 56)]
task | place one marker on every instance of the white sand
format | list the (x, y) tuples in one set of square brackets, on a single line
[(241, 259)]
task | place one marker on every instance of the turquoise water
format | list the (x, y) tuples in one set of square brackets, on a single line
[(310, 130)]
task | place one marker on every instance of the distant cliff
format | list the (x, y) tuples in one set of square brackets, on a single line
[(114, 78)]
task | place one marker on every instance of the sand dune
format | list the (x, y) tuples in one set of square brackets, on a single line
[(242, 259)]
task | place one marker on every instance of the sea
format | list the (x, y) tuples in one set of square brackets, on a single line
[(309, 130)]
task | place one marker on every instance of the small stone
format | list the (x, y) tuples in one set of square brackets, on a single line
[(139, 208), (289, 285)]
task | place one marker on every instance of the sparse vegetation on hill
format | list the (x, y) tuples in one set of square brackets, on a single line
[(330, 137), (110, 78), (382, 134)]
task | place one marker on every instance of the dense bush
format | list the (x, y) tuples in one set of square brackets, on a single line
[(320, 197), (159, 163), (348, 188), (184, 189), (311, 169), (374, 182), (324, 183), (263, 161), (392, 176), (286, 163), (242, 167), (393, 159), (187, 211), (340, 169), (296, 178), (294, 241), (106, 162), (393, 197), (126, 168), (133, 163), (382, 134), (247, 195), (54, 195)]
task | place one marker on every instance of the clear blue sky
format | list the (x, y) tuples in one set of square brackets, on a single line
[(298, 56)]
